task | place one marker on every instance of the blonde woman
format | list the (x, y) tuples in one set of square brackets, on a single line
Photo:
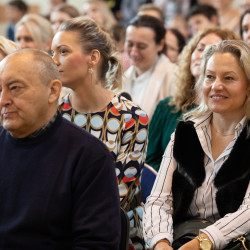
[(170, 110), (6, 47), (89, 66), (205, 169), (34, 31)]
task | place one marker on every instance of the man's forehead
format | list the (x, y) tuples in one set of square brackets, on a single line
[(17, 67)]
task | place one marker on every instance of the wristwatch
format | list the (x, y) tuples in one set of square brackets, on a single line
[(205, 243)]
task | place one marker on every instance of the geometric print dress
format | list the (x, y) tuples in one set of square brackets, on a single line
[(123, 127)]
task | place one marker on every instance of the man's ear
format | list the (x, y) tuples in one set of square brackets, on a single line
[(55, 88)]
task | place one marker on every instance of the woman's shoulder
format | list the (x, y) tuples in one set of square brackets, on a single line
[(64, 102), (129, 109)]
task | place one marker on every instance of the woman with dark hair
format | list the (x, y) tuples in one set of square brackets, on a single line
[(175, 42), (245, 26), (148, 78), (88, 65)]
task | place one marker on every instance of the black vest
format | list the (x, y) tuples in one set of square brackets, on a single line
[(231, 180)]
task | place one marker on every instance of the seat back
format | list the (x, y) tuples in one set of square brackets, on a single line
[(124, 230), (148, 176)]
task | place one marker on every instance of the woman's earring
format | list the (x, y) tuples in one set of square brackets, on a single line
[(91, 70)]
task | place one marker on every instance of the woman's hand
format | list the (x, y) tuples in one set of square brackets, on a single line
[(191, 245), (163, 246)]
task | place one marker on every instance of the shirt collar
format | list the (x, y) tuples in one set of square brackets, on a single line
[(44, 128)]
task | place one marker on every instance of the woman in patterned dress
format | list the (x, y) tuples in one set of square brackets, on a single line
[(85, 58)]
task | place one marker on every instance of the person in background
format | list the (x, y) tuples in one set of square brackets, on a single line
[(244, 5), (229, 16), (175, 42), (245, 26), (61, 13), (15, 10), (117, 32), (148, 79), (34, 31), (205, 172), (100, 12), (202, 16), (170, 110), (89, 65), (6, 47), (54, 3), (58, 188), (151, 10)]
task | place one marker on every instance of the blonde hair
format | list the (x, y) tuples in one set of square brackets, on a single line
[(184, 95), (240, 50), (39, 27), (7, 46), (92, 37), (107, 15)]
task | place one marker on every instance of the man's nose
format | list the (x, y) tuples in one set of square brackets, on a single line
[(4, 98)]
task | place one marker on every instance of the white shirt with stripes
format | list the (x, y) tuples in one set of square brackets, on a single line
[(157, 221)]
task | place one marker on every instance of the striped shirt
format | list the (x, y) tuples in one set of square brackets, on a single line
[(157, 221)]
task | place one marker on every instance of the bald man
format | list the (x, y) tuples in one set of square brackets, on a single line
[(58, 188)]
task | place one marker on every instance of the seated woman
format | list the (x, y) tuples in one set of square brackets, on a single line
[(89, 66), (245, 26), (34, 31), (6, 47), (169, 111), (100, 12), (175, 42), (205, 169), (61, 13), (148, 79)]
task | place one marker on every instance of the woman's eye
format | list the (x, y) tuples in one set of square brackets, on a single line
[(229, 78), (245, 29), (209, 77)]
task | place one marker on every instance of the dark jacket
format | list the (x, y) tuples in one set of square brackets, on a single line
[(231, 180)]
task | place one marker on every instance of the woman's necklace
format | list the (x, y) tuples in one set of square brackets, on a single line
[(222, 133)]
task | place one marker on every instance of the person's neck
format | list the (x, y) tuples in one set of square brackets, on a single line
[(45, 120), (139, 72), (225, 125), (90, 100)]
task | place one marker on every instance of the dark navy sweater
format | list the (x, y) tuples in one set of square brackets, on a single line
[(57, 191)]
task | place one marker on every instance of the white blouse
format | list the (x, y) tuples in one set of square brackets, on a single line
[(157, 221)]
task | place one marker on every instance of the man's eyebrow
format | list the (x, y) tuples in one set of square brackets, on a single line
[(12, 81)]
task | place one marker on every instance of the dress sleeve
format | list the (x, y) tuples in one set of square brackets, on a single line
[(158, 210), (231, 226), (131, 157)]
